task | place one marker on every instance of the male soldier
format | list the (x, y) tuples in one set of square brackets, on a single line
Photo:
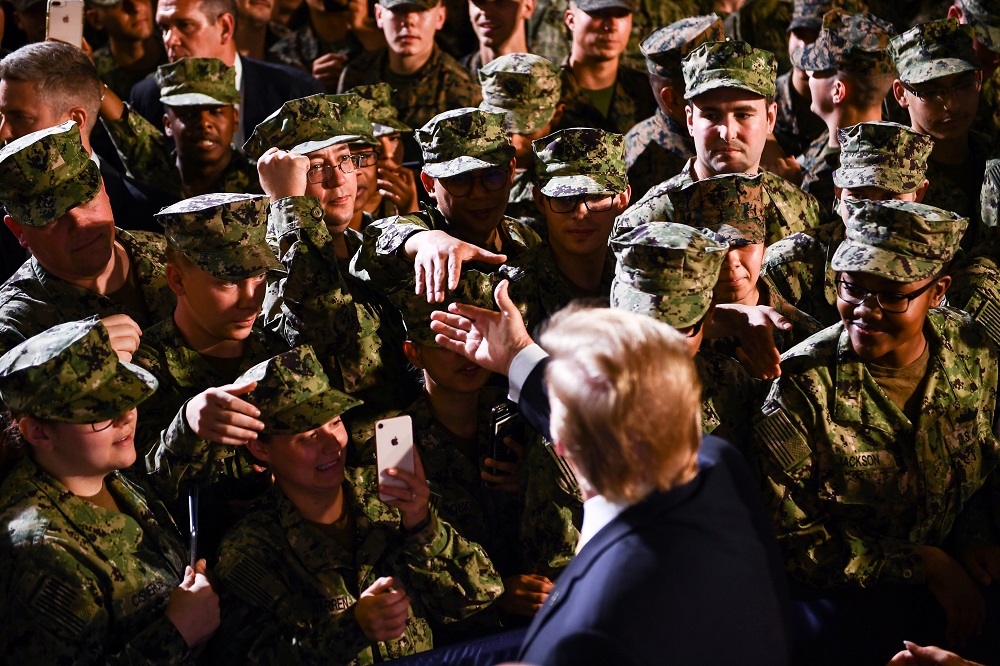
[(761, 23), (500, 26), (729, 88), (658, 147), (133, 50), (527, 88), (256, 33), (984, 18), (850, 73), (81, 265), (195, 155), (30, 17), (597, 90), (580, 188)]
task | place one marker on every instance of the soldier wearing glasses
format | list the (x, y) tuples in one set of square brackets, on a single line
[(875, 440)]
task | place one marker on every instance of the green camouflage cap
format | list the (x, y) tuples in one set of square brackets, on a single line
[(665, 48), (45, 174), (984, 17), (302, 125), (729, 65), (989, 196), (356, 116), (71, 374), (422, 4), (901, 241), (384, 116), (597, 5), (474, 288), (731, 205), (932, 50), (809, 13), (578, 161), (223, 234), (667, 271), (293, 393), (886, 155), (197, 82), (462, 140), (524, 86), (848, 43)]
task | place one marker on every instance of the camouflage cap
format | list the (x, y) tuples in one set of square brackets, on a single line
[(197, 82), (356, 116), (71, 374), (45, 174), (731, 205), (462, 140), (809, 13), (422, 4), (989, 196), (293, 393), (729, 64), (932, 50), (384, 116), (665, 48), (984, 17), (596, 5), (848, 43), (223, 234), (901, 241), (578, 161), (524, 86), (474, 288), (667, 271), (886, 155), (302, 125)]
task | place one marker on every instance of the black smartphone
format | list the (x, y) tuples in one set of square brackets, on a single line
[(505, 421)]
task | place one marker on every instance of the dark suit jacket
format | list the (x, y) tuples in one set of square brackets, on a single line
[(133, 205), (267, 85)]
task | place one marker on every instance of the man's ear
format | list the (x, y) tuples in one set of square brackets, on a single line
[(227, 29), (166, 126), (937, 294), (922, 190), (15, 229), (175, 279), (428, 183), (899, 92), (78, 114), (412, 353)]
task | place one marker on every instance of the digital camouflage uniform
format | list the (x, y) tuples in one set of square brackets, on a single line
[(43, 175), (984, 17), (631, 102), (300, 48), (657, 147), (80, 582), (762, 23), (115, 77), (853, 486)]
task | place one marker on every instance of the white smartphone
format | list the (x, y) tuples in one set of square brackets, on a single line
[(393, 448), (65, 21)]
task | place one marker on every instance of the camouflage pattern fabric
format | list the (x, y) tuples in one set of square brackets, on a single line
[(383, 115), (848, 43), (311, 123), (579, 161), (197, 82), (763, 23), (886, 155), (988, 113), (819, 163), (932, 50), (729, 65), (300, 48), (731, 205), (655, 150), (631, 101), (984, 17), (989, 198), (957, 187), (796, 126), (729, 398), (115, 76), (521, 202), (46, 173), (550, 525), (84, 583), (852, 485), (664, 49), (292, 588), (474, 288), (524, 86), (810, 13), (462, 140)]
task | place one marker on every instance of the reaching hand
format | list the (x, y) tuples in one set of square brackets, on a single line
[(438, 258), (218, 415)]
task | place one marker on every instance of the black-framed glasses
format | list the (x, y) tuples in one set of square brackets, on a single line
[(595, 203), (492, 180), (367, 158), (100, 426), (939, 94), (320, 173), (889, 301)]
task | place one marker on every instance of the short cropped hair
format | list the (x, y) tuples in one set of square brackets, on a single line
[(213, 9), (626, 399), (870, 90), (63, 76)]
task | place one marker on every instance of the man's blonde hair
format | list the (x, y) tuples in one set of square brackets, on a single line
[(626, 399)]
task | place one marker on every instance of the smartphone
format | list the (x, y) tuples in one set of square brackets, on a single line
[(505, 422), (393, 448), (65, 21)]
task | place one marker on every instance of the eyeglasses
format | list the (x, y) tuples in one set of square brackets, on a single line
[(939, 94), (595, 203), (367, 158), (321, 173), (104, 425), (492, 180), (889, 301)]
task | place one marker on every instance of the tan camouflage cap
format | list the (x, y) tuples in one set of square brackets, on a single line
[(384, 116), (462, 140), (293, 393), (729, 65), (984, 17), (223, 234), (302, 125), (45, 174), (667, 271), (422, 4), (886, 155), (932, 50), (524, 86), (578, 161), (848, 43), (665, 48), (71, 374), (596, 5), (901, 241), (731, 205), (197, 82), (474, 288), (809, 13)]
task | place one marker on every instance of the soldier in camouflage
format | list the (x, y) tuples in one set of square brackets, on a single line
[(729, 87), (657, 147), (133, 50), (984, 18), (93, 569), (875, 439), (321, 568), (500, 27)]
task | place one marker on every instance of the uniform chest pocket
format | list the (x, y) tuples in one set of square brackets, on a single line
[(959, 462), (860, 477)]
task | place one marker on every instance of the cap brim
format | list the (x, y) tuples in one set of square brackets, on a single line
[(938, 67), (569, 186), (813, 58), (307, 147), (129, 386), (853, 257), (519, 122), (254, 261), (54, 203), (466, 163), (665, 308), (310, 414), (846, 178), (722, 82), (193, 99)]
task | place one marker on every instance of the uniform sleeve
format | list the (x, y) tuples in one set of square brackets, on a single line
[(144, 150), (553, 513), (182, 458), (381, 259)]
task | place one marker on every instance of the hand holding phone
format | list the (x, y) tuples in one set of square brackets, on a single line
[(393, 448)]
